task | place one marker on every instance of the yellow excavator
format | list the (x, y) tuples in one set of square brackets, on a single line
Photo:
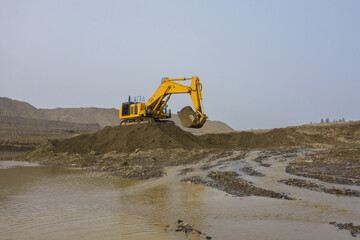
[(136, 111)]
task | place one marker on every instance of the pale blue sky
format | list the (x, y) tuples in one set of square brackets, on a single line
[(263, 64)]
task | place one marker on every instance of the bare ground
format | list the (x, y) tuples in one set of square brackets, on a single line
[(142, 151)]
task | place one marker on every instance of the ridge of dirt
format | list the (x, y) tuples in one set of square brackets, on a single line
[(129, 138), (134, 151), (346, 134), (276, 138)]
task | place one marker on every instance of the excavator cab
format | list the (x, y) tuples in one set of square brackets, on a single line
[(133, 108)]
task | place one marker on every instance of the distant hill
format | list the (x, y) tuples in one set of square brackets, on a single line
[(19, 133), (15, 121), (102, 116), (10, 107)]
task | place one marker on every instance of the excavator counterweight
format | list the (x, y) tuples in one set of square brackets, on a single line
[(156, 107)]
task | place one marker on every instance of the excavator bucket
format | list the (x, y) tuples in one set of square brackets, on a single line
[(190, 119)]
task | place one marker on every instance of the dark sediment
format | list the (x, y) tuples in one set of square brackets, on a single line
[(185, 171), (250, 171), (261, 160), (190, 230), (320, 188), (354, 230), (230, 183), (340, 165)]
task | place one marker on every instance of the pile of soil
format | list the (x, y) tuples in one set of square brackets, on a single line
[(127, 139), (142, 150), (134, 151), (276, 138)]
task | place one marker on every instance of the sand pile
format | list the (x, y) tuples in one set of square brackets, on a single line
[(127, 139)]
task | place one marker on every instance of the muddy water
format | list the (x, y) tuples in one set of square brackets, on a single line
[(38, 202)]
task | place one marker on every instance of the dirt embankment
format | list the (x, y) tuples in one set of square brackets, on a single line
[(137, 151), (143, 150), (307, 136), (127, 139)]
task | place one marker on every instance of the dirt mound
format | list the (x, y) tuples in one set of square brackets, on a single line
[(276, 138), (129, 138), (285, 137), (11, 107)]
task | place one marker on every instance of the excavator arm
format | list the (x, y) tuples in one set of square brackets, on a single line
[(162, 95)]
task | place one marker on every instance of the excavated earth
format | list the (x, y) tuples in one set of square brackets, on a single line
[(134, 151), (327, 156), (143, 150)]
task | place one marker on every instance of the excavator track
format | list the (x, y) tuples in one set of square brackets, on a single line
[(142, 120), (139, 120)]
